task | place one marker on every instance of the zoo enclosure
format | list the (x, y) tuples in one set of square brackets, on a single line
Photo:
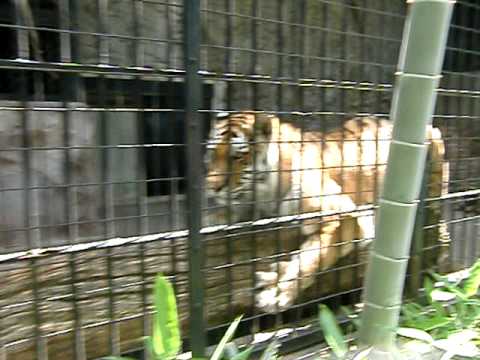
[(93, 180)]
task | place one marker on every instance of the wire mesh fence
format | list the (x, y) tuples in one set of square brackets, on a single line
[(236, 146)]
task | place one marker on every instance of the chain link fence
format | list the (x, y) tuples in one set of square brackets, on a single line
[(108, 113)]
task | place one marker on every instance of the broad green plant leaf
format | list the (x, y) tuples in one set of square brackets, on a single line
[(440, 311), (332, 332), (450, 287), (428, 286), (413, 311), (429, 324), (470, 287), (148, 345), (165, 341), (217, 354)]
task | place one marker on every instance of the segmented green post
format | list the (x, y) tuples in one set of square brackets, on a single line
[(419, 68)]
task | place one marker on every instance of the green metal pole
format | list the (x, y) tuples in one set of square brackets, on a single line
[(193, 96), (419, 68)]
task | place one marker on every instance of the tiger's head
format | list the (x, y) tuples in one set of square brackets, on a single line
[(235, 142)]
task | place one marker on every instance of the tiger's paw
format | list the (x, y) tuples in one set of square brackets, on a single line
[(278, 286), (274, 298), (265, 278)]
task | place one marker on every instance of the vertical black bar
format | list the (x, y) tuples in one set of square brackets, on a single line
[(38, 76), (106, 171), (323, 107), (193, 89), (230, 8), (356, 280), (138, 45), (302, 66), (463, 11), (74, 26), (23, 42), (342, 93), (281, 17), (473, 168), (254, 10), (170, 31), (141, 191), (173, 155), (27, 177), (103, 42), (65, 24), (68, 82), (69, 218), (107, 215)]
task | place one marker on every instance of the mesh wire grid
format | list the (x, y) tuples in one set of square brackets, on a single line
[(96, 190)]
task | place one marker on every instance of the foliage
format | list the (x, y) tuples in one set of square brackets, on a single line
[(332, 332), (449, 320), (451, 316), (165, 342)]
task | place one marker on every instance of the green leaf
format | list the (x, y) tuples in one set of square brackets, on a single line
[(271, 352), (428, 286), (165, 341), (149, 348), (412, 333), (413, 310), (117, 358), (217, 354), (332, 332), (244, 355), (442, 332), (412, 313), (429, 324), (470, 287), (439, 310), (450, 287)]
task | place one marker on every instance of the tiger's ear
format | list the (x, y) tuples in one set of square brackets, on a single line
[(266, 124)]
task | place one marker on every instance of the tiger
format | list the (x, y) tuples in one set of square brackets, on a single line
[(254, 161)]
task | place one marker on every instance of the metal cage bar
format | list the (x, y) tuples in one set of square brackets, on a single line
[(194, 199)]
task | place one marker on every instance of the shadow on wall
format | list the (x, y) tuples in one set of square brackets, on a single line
[(45, 176)]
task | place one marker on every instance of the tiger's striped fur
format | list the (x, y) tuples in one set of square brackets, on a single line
[(251, 153)]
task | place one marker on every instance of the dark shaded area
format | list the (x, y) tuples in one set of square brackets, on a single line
[(463, 53)]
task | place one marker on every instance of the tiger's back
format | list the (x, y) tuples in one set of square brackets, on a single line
[(280, 170)]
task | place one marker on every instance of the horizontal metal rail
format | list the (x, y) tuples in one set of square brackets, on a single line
[(119, 241)]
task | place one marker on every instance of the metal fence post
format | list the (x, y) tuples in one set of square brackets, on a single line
[(193, 98)]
